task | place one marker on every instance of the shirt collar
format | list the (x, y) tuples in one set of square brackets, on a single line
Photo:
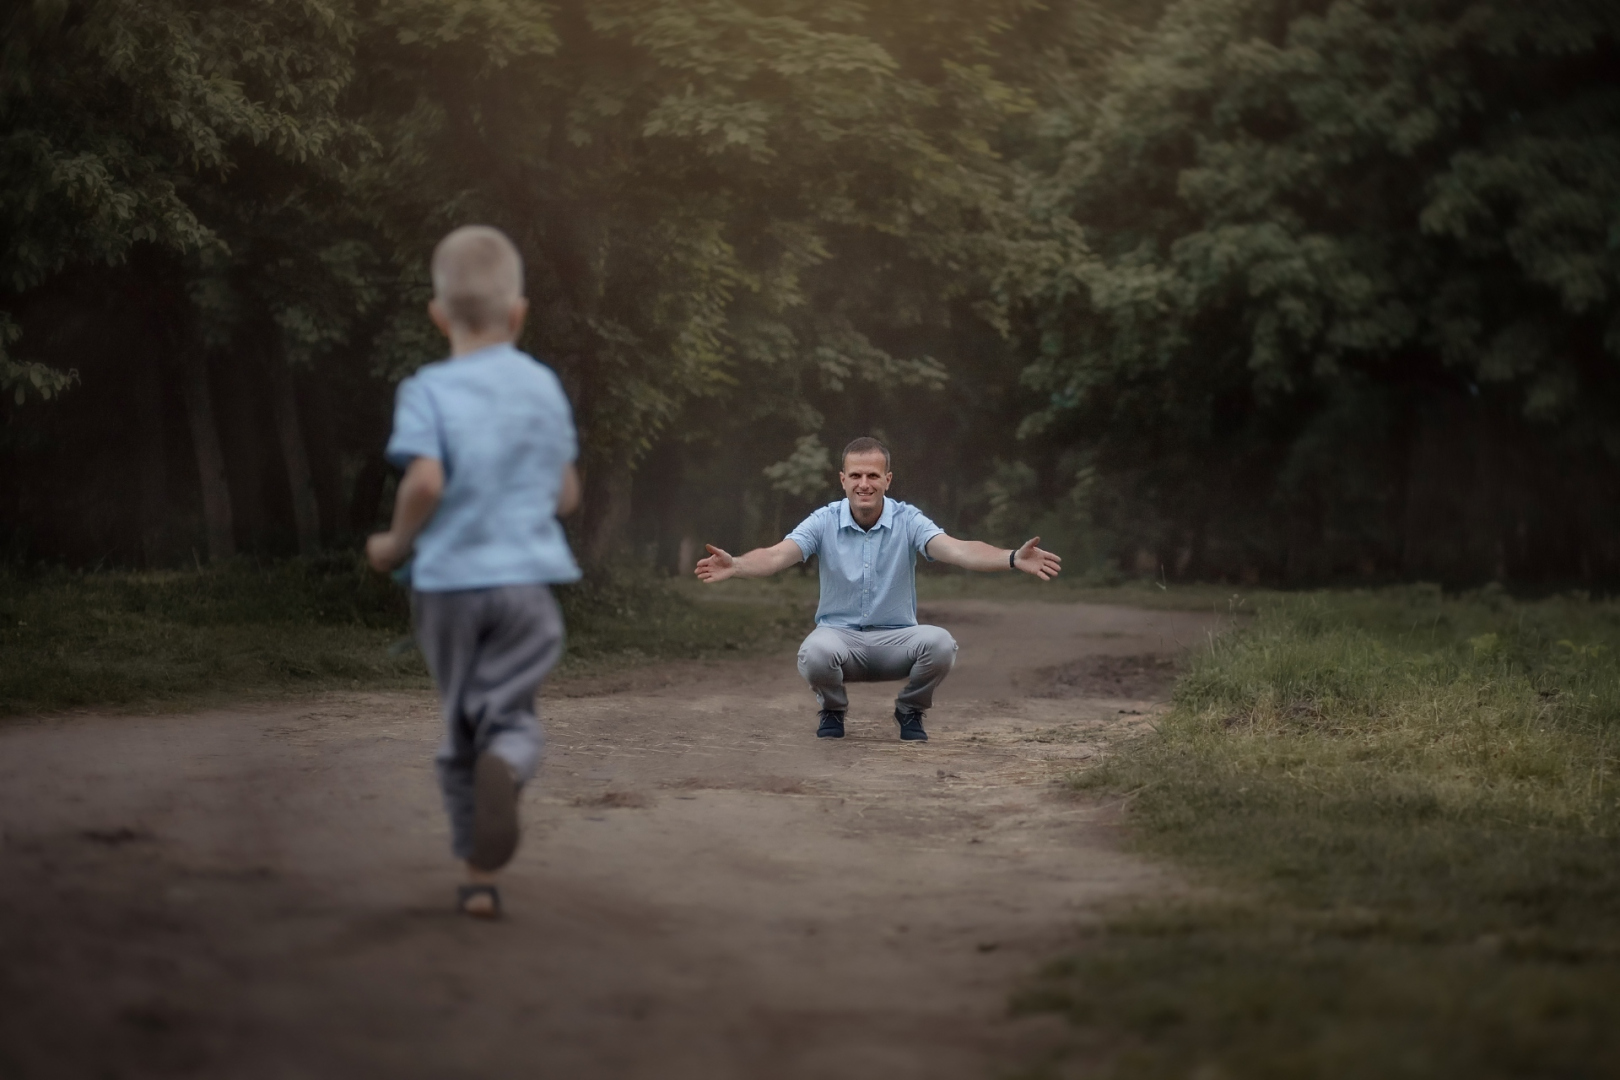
[(486, 350), (846, 520)]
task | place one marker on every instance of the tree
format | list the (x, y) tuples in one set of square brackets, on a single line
[(734, 202), (1330, 244), (143, 129)]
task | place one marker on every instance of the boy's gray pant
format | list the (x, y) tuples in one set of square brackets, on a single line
[(488, 651), (922, 655)]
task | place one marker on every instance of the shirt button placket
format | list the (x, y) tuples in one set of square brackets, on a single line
[(866, 578)]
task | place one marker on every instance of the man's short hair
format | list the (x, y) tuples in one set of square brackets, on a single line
[(477, 276), (865, 445)]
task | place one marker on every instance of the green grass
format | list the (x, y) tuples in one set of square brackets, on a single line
[(629, 617), (1400, 816), (949, 583), (179, 639)]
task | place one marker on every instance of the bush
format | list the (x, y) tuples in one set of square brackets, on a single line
[(173, 637)]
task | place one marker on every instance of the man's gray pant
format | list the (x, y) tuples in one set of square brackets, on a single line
[(488, 651), (922, 655)]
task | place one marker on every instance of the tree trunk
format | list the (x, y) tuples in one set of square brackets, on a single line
[(295, 455), (367, 496), (687, 555), (1303, 540), (216, 492), (1493, 522), (324, 466), (1418, 511), (608, 489), (153, 464), (247, 436)]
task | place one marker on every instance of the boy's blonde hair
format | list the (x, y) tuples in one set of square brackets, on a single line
[(477, 277)]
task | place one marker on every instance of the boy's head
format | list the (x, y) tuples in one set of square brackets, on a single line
[(478, 283)]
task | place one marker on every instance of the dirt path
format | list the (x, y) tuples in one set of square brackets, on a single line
[(705, 890)]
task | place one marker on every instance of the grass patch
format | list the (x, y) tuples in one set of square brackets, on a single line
[(954, 584), (135, 639), (631, 616), (186, 638), (1407, 807)]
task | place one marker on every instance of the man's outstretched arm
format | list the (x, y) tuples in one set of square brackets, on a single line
[(761, 562), (977, 555)]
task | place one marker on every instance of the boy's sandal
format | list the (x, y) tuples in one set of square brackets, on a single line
[(465, 893)]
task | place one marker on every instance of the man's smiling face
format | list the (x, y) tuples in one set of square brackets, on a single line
[(866, 480)]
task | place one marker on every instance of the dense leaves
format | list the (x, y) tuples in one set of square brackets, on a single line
[(1227, 287), (1328, 243), (743, 204), (118, 115)]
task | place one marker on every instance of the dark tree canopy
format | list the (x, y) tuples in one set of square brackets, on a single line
[(1349, 293), (1227, 287)]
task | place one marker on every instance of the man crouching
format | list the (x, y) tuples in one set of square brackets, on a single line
[(866, 624)]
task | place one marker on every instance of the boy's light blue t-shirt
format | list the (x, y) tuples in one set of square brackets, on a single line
[(499, 423), (868, 576)]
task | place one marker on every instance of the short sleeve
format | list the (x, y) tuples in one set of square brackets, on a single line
[(416, 426), (922, 531), (808, 534)]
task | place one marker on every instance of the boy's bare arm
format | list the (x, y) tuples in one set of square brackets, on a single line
[(568, 499), (761, 562), (414, 504)]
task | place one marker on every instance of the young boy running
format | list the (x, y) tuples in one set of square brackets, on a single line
[(486, 439)]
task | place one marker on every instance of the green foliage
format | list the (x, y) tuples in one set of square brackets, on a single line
[(183, 638), (728, 200), (1296, 291), (18, 377), (1409, 806), (178, 637), (805, 472), (1316, 232), (1338, 186), (115, 112), (739, 216), (1016, 508), (625, 615)]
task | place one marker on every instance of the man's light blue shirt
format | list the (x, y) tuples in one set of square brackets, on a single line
[(868, 576), (499, 423)]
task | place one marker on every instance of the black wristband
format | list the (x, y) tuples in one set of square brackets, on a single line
[(1011, 559)]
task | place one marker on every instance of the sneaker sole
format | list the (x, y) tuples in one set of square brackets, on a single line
[(495, 825), (829, 734)]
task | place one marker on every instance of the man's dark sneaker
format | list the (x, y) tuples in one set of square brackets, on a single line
[(832, 725), (910, 721)]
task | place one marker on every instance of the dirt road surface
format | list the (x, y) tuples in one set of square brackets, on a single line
[(704, 890)]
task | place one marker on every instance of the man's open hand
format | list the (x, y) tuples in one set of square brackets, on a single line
[(717, 567), (1033, 560)]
